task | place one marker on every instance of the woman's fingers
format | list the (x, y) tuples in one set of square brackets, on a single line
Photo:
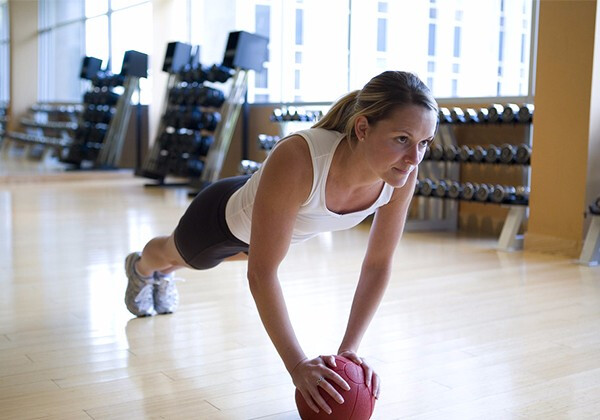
[(308, 398), (329, 360), (376, 386), (314, 392)]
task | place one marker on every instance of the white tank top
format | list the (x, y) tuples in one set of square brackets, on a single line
[(313, 216)]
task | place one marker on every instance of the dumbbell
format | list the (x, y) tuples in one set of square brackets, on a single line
[(483, 192), (194, 167), (523, 154), (454, 189), (508, 153), (437, 152), (444, 115), (192, 119), (483, 115), (503, 194), (219, 73), (479, 154), (510, 113), (210, 97), (465, 153), (492, 154), (427, 154), (210, 120), (426, 187), (522, 195), (457, 115), (417, 187), (451, 153), (248, 167), (277, 115), (471, 116), (468, 191), (440, 188), (526, 113), (267, 142), (495, 113)]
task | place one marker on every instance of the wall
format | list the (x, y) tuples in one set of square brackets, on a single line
[(561, 139), (23, 58)]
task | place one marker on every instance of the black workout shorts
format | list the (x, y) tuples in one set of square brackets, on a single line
[(202, 236)]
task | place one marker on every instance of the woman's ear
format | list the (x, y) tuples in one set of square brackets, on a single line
[(361, 126)]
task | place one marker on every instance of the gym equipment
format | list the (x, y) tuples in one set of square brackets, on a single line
[(444, 116), (483, 115), (465, 153), (510, 113), (454, 189), (468, 190), (426, 187), (437, 151), (451, 152), (440, 188), (526, 113), (492, 154), (479, 154), (495, 113), (248, 167), (590, 252), (503, 193), (359, 401), (471, 116), (523, 154), (457, 115), (483, 192), (508, 153), (267, 142)]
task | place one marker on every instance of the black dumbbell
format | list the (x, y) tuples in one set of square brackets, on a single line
[(503, 194), (510, 113), (495, 113), (454, 189), (523, 154), (451, 153), (219, 74), (468, 191), (471, 116), (526, 113), (248, 167), (508, 153), (437, 151), (465, 153), (457, 115), (483, 192), (440, 188), (479, 154), (195, 167), (444, 115), (483, 115), (426, 187), (210, 120), (492, 154)]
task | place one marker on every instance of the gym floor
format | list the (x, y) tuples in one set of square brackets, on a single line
[(464, 332)]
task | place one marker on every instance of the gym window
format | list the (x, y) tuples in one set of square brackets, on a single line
[(70, 30)]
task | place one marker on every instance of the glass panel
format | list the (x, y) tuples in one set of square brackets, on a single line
[(65, 63), (96, 38), (126, 36), (95, 7), (119, 4)]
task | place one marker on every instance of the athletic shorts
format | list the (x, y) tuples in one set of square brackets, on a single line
[(202, 236)]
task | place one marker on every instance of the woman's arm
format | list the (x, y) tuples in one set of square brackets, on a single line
[(285, 184), (375, 272)]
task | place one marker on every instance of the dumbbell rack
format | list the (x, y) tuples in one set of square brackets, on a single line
[(590, 252), (437, 214), (159, 162), (518, 211), (230, 112)]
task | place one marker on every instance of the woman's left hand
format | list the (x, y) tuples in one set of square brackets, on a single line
[(370, 376)]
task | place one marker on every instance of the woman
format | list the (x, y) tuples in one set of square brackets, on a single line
[(361, 158)]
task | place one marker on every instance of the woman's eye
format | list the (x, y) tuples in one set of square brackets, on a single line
[(425, 143), (402, 139)]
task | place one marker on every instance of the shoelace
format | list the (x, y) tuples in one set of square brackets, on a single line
[(145, 294)]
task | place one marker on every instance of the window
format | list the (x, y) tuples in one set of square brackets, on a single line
[(456, 46), (4, 52), (72, 29)]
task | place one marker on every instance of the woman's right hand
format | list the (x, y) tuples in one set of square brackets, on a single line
[(311, 374)]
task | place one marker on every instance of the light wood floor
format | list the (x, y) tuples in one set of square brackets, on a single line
[(465, 332)]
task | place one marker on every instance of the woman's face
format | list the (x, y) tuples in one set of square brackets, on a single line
[(395, 146)]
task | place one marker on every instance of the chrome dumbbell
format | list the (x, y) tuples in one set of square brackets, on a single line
[(465, 153), (451, 152), (526, 113), (523, 155), (510, 113), (483, 192), (492, 154), (426, 187), (454, 189), (248, 167), (495, 113), (508, 153), (468, 190)]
